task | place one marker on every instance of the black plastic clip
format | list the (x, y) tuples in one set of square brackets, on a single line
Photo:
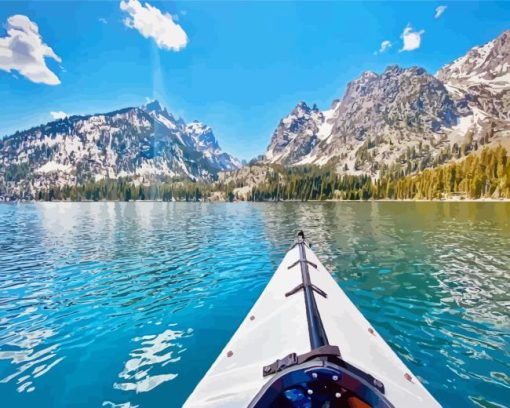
[(301, 286), (281, 364), (293, 359), (305, 261)]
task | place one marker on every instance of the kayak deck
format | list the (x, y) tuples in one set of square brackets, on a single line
[(277, 326)]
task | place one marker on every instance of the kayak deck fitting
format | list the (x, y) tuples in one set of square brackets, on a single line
[(320, 352)]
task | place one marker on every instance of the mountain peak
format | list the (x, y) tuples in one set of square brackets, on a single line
[(302, 108), (481, 65), (198, 128), (365, 78), (368, 75), (393, 69), (302, 105), (153, 106)]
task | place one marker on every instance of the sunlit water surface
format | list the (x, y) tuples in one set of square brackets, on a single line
[(128, 304)]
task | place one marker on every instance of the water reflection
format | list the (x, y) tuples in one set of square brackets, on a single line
[(112, 288), (141, 372), (27, 351), (432, 277)]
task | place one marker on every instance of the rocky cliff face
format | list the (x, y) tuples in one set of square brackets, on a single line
[(480, 82), (297, 134), (387, 118), (485, 65), (144, 143)]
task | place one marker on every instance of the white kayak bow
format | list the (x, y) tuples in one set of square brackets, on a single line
[(305, 344)]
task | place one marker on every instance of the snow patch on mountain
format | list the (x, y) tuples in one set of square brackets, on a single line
[(54, 167), (327, 122)]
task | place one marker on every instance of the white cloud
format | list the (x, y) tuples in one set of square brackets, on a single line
[(385, 46), (102, 20), (23, 50), (439, 11), (152, 23), (411, 39), (58, 115)]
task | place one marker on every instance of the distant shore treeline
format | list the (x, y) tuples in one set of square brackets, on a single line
[(482, 174)]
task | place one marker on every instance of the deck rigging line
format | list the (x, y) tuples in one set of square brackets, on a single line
[(316, 331)]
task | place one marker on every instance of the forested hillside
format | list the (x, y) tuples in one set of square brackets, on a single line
[(482, 174), (115, 190), (477, 176)]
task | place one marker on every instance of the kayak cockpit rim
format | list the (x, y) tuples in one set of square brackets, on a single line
[(319, 383)]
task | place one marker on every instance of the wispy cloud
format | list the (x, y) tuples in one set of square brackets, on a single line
[(385, 46), (23, 50), (58, 115), (152, 23), (439, 11), (102, 20), (411, 39)]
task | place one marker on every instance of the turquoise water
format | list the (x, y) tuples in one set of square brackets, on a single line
[(127, 304)]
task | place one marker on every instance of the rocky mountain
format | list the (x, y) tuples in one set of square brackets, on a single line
[(488, 65), (404, 116), (140, 143), (481, 80), (298, 133)]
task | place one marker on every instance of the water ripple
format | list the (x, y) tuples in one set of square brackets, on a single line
[(127, 304), (154, 353)]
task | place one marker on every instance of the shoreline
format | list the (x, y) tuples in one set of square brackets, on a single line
[(436, 200), (445, 200)]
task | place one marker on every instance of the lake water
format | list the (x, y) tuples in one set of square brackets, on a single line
[(128, 304)]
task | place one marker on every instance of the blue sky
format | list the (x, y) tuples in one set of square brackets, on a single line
[(239, 67)]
